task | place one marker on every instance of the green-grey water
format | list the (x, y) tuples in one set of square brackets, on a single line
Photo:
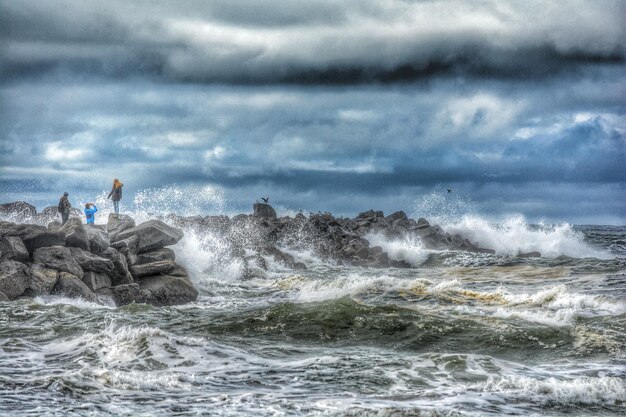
[(459, 334)]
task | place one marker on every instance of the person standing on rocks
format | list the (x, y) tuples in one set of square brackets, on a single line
[(90, 211), (64, 208), (116, 195)]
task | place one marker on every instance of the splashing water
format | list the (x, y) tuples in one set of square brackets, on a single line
[(509, 235), (182, 201)]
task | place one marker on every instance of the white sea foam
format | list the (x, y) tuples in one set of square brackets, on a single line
[(563, 392), (409, 248), (508, 235)]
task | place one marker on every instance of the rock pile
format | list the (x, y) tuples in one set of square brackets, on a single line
[(342, 240), (127, 262)]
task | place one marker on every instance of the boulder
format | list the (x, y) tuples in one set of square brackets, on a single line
[(75, 234), (91, 262), (55, 224), (153, 234), (42, 280), (162, 254), (59, 258), (264, 210), (128, 248), (370, 214), (18, 210), (529, 255), (96, 280), (13, 248), (35, 236), (152, 268), (120, 274), (3, 297), (129, 293), (70, 286), (166, 290), (14, 279), (398, 215), (98, 238), (118, 224)]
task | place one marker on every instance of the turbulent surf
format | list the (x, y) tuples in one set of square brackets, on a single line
[(450, 333)]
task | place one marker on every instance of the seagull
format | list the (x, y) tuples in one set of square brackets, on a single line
[(265, 200), (449, 190)]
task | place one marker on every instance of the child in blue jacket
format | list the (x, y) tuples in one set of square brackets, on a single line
[(90, 210)]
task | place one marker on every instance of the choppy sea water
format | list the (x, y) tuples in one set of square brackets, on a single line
[(459, 334)]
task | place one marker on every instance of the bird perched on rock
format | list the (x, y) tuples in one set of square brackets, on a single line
[(265, 199)]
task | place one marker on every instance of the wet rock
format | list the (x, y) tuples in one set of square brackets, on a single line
[(120, 274), (264, 210), (91, 262), (96, 281), (3, 297), (529, 255), (118, 224), (98, 238), (129, 293), (14, 279), (166, 290), (55, 224), (18, 210), (13, 248), (59, 258), (162, 254), (398, 215), (71, 286), (282, 257), (75, 234), (153, 234), (152, 268), (42, 280), (34, 236)]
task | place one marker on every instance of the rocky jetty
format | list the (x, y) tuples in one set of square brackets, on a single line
[(120, 260), (131, 263), (255, 237)]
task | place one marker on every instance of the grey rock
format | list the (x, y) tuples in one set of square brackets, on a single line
[(96, 281), (264, 210), (91, 262), (13, 248), (59, 258), (98, 238), (529, 255), (75, 234), (152, 268), (14, 279), (398, 215), (3, 297), (120, 274), (55, 224), (129, 293), (70, 286), (153, 234), (42, 280), (163, 254), (166, 290), (35, 236), (118, 224), (18, 210)]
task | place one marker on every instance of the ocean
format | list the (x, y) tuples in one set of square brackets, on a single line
[(458, 334)]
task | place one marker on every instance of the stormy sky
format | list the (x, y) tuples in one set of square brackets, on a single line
[(341, 106)]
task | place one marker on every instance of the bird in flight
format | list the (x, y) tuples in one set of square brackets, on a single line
[(265, 199), (449, 190)]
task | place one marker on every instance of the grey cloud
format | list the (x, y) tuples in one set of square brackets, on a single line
[(317, 42)]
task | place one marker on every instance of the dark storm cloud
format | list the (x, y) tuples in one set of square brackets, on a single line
[(310, 42), (323, 105)]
